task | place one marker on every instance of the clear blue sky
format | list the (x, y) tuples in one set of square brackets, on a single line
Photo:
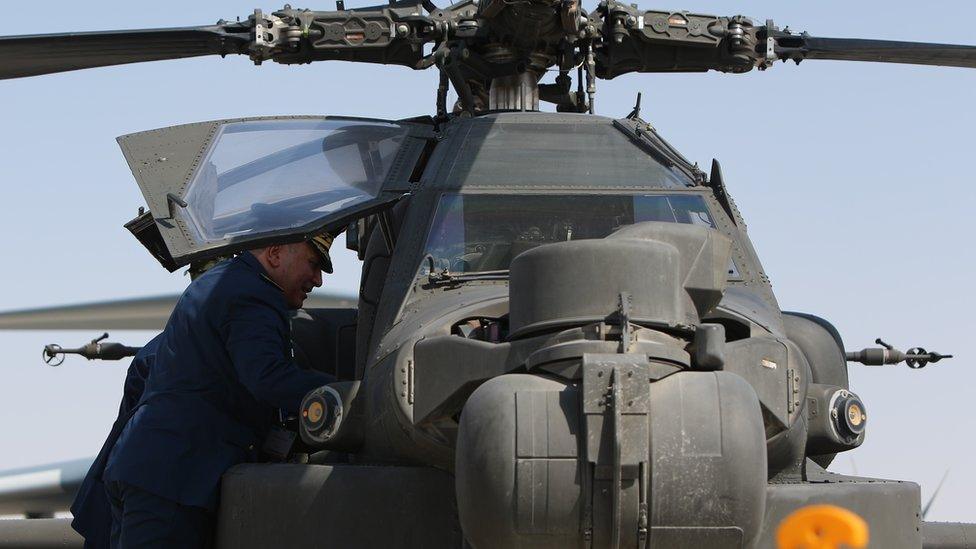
[(856, 181)]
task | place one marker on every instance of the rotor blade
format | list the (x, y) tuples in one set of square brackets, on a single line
[(800, 47), (33, 55), (935, 494), (41, 490), (129, 314)]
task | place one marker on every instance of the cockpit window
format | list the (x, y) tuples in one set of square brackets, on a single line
[(266, 175), (476, 233)]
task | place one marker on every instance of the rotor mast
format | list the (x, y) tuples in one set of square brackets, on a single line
[(517, 92)]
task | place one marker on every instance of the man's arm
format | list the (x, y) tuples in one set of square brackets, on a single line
[(256, 338), (135, 377)]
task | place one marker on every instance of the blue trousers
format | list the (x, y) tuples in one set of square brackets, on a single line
[(144, 520)]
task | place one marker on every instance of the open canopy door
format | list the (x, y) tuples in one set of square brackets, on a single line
[(215, 188)]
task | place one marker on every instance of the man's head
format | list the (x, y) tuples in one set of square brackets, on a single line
[(296, 268)]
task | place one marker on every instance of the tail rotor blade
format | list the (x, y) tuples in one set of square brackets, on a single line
[(33, 55)]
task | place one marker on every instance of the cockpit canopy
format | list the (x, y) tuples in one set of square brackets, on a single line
[(484, 232), (259, 176), (220, 187)]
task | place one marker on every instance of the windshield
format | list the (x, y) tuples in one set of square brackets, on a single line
[(477, 233), (266, 175)]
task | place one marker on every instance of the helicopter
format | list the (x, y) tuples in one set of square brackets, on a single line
[(869, 403)]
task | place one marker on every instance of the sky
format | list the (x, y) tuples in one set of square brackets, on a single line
[(856, 181)]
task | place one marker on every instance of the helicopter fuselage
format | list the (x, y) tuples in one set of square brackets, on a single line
[(537, 266)]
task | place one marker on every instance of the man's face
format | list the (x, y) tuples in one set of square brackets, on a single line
[(296, 268)]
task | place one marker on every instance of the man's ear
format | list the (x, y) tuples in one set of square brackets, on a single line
[(273, 255)]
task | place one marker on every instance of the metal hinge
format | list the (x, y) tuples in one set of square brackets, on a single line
[(793, 390)]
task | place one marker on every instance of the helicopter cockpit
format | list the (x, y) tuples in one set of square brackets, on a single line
[(219, 187)]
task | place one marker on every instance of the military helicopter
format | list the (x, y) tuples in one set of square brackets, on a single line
[(447, 280)]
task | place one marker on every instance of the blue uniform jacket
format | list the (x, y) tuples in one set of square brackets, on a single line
[(222, 369), (91, 510)]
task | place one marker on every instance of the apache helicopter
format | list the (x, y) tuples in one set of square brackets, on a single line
[(599, 280)]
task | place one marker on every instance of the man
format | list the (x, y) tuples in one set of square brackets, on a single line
[(222, 369), (91, 509)]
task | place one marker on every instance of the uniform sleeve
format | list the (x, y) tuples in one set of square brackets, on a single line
[(135, 377), (256, 337)]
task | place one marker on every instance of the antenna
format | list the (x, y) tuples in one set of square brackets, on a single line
[(635, 114)]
